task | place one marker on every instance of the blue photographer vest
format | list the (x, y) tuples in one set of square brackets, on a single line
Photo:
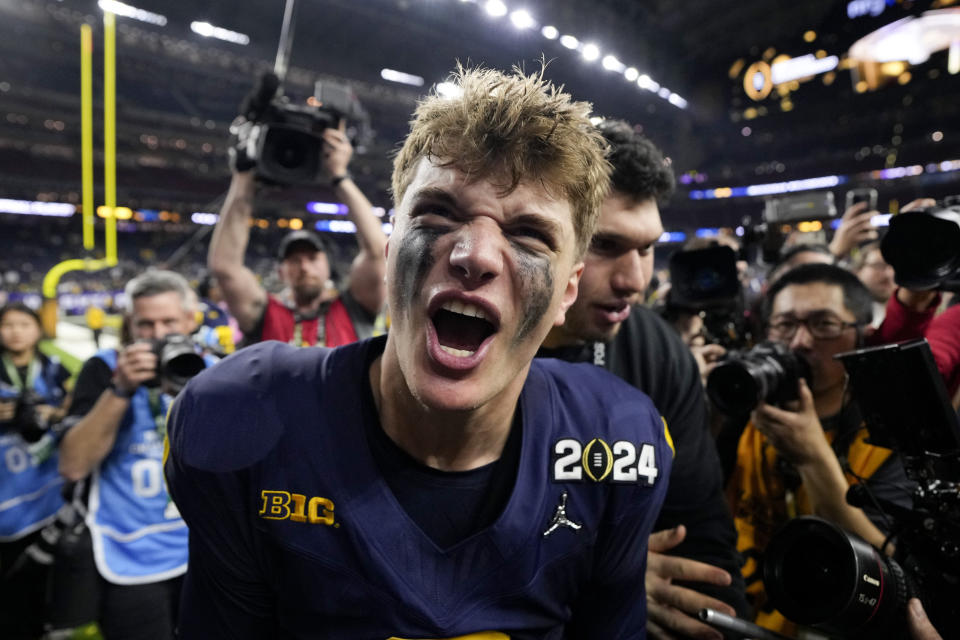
[(138, 534), (29, 480)]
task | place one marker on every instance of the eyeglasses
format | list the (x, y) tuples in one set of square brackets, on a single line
[(821, 325)]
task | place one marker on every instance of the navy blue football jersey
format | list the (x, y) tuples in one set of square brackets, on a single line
[(295, 534)]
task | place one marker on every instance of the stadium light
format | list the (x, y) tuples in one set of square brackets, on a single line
[(401, 77), (590, 52), (37, 208), (125, 10), (329, 208), (522, 19), (495, 8), (209, 31), (203, 217), (610, 63)]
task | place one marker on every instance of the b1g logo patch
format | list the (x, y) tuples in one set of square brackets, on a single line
[(622, 463), (283, 505)]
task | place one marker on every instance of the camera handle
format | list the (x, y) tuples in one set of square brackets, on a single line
[(738, 626), (282, 62)]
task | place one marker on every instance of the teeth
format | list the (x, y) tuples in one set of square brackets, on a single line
[(460, 353), (464, 308)]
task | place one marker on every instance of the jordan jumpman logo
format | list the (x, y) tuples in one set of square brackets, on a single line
[(560, 518)]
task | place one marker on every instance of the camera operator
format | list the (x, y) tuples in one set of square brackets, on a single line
[(692, 562), (800, 458), (299, 315), (33, 396), (128, 579)]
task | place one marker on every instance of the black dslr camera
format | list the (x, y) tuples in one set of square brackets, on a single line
[(818, 574), (26, 421), (282, 140), (178, 359), (769, 372), (923, 247)]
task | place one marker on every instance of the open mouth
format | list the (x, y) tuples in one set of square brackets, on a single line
[(461, 328), (615, 312)]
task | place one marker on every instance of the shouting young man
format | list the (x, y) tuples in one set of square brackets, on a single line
[(435, 483)]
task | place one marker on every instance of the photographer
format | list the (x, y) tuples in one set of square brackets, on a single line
[(33, 396), (129, 581), (299, 314), (800, 458)]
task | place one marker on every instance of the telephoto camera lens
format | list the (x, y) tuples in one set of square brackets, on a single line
[(770, 372), (817, 574), (178, 361)]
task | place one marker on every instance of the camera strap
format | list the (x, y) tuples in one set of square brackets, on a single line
[(155, 398), (321, 317), (33, 371)]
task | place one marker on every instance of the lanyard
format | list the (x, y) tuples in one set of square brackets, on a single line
[(155, 397), (321, 317), (33, 370)]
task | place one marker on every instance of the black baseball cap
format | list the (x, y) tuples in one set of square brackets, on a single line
[(300, 238)]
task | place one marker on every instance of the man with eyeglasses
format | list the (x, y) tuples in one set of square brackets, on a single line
[(801, 458)]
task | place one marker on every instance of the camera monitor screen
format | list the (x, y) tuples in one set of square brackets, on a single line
[(704, 278), (903, 399)]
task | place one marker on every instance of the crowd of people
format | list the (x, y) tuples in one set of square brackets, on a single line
[(502, 437)]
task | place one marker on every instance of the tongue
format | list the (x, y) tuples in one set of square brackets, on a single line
[(458, 331)]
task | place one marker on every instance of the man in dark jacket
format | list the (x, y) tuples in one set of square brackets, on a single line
[(606, 326)]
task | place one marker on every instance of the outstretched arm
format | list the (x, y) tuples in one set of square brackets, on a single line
[(244, 296), (369, 266)]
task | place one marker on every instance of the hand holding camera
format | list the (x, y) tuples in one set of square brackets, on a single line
[(7, 410), (337, 150), (794, 430), (136, 365)]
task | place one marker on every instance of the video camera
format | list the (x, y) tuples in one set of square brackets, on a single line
[(923, 247), (818, 574), (281, 140), (706, 281), (767, 237)]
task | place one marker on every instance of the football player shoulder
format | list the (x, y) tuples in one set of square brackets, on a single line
[(234, 413), (595, 398), (604, 432)]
